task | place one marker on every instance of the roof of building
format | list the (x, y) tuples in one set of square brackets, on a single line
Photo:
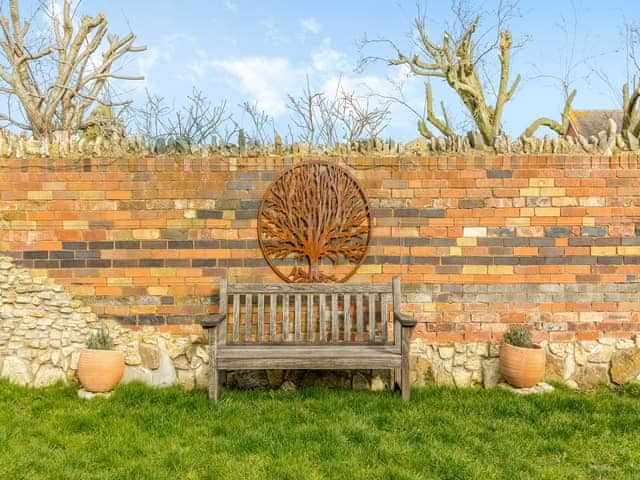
[(592, 122)]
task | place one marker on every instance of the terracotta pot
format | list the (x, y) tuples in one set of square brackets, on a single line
[(100, 370), (522, 367)]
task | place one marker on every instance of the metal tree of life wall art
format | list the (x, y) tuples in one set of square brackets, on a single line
[(314, 223)]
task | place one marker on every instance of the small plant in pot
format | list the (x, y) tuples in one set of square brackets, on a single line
[(522, 363), (100, 367)]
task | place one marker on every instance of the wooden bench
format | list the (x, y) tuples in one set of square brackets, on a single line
[(309, 326)]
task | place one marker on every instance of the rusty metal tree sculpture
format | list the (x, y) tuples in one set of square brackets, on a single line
[(317, 216)]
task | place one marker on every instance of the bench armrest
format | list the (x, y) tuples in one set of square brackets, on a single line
[(405, 320), (211, 321)]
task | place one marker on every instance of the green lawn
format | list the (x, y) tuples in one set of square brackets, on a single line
[(316, 433)]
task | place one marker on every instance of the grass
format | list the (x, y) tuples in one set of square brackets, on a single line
[(443, 433)]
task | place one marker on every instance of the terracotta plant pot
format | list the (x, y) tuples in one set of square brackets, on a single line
[(100, 370), (522, 367)]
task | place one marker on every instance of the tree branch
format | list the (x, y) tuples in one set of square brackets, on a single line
[(559, 128)]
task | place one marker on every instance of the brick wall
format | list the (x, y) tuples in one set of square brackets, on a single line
[(480, 242)]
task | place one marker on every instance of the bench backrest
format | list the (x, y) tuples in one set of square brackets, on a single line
[(304, 313)]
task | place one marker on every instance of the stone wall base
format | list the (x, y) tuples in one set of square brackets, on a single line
[(584, 364)]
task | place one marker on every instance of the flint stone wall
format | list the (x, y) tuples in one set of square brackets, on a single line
[(43, 328)]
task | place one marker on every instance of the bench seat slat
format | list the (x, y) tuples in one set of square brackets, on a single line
[(376, 362), (313, 357), (278, 349)]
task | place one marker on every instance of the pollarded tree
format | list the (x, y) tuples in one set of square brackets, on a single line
[(57, 81), (630, 127), (458, 61)]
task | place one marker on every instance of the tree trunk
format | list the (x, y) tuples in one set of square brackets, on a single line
[(314, 270)]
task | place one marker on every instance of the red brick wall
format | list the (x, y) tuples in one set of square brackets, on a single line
[(480, 242)]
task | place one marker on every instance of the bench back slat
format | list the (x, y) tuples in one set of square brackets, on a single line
[(223, 298), (359, 317), (371, 302), (260, 318), (323, 317), (236, 318), (273, 312), (346, 315), (317, 313), (335, 329), (298, 315), (285, 318), (384, 299), (310, 316), (397, 331), (248, 317)]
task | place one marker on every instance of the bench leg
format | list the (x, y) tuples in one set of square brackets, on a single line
[(213, 385), (405, 384), (213, 370)]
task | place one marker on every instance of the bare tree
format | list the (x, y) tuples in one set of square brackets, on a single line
[(152, 117), (197, 122), (329, 108), (259, 121), (304, 113), (360, 118), (58, 99), (343, 116), (460, 63)]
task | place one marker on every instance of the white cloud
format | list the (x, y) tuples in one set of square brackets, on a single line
[(231, 6), (267, 80), (326, 59), (310, 24), (329, 60)]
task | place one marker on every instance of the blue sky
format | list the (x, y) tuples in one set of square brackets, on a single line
[(260, 51)]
